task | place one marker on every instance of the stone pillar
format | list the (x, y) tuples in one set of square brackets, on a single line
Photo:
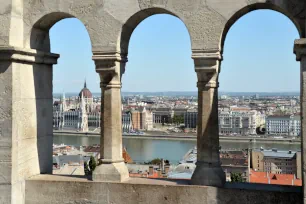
[(300, 51), (110, 67), (208, 167), (26, 130)]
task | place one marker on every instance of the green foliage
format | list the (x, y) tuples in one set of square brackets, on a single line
[(178, 119), (156, 161), (236, 177), (92, 164), (86, 169), (89, 168)]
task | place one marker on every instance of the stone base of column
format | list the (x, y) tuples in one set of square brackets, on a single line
[(112, 172), (207, 175)]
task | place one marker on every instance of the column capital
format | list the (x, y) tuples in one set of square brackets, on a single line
[(110, 66), (211, 54), (300, 48), (30, 56), (207, 67), (100, 57)]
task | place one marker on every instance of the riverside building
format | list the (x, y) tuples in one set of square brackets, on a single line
[(234, 120), (191, 118), (78, 115), (142, 119), (127, 125), (283, 125)]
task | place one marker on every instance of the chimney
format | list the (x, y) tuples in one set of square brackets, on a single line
[(151, 170), (163, 165), (159, 173), (290, 152), (167, 168)]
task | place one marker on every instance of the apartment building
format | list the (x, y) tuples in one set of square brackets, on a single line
[(235, 120), (283, 125), (277, 162)]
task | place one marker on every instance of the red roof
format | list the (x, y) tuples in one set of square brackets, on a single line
[(277, 179)]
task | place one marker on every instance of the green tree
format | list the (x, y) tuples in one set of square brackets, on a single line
[(89, 168), (178, 119), (86, 170), (92, 164), (156, 161), (236, 177)]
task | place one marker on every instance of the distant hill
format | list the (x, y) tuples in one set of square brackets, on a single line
[(259, 93), (189, 93)]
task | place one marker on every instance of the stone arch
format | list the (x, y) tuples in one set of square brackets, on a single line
[(260, 6), (130, 25), (41, 71), (39, 34)]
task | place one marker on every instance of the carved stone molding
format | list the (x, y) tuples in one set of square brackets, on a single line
[(110, 66), (207, 67), (30, 56), (300, 48)]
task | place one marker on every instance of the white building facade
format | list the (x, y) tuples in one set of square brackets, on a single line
[(283, 125), (240, 121)]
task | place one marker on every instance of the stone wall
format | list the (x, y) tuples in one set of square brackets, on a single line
[(75, 191), (110, 23)]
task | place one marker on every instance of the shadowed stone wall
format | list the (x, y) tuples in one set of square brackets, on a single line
[(39, 190)]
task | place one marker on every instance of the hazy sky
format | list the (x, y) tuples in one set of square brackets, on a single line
[(258, 56)]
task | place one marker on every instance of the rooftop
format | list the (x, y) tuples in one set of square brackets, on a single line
[(276, 153), (277, 179)]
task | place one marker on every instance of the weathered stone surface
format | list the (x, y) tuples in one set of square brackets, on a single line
[(25, 118), (5, 193), (226, 8), (116, 172), (58, 190), (5, 131), (300, 51), (205, 20), (110, 67)]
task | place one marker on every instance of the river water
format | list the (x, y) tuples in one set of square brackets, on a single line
[(143, 149)]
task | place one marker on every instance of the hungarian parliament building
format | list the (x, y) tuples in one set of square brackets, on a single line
[(83, 114), (79, 114)]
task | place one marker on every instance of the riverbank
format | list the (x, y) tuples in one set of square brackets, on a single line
[(185, 137)]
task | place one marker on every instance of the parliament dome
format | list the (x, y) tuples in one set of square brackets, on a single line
[(86, 92)]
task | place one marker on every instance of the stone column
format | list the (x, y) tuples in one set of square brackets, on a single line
[(208, 167), (300, 51), (26, 130), (110, 67)]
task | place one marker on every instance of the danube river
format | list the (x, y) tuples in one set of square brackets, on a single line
[(145, 149)]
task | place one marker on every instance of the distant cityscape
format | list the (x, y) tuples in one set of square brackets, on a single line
[(239, 114)]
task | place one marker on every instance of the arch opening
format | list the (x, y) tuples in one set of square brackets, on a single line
[(39, 38), (259, 97), (64, 102), (159, 86), (255, 7), (133, 22)]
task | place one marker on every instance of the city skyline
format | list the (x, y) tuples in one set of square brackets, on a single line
[(147, 60)]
